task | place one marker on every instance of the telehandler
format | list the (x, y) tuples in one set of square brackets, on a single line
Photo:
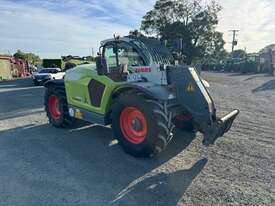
[(136, 87)]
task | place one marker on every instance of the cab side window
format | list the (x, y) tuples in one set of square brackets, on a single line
[(129, 55), (110, 57)]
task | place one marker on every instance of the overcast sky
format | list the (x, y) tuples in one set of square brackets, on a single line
[(52, 28)]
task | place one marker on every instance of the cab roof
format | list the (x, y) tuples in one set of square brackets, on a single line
[(151, 47)]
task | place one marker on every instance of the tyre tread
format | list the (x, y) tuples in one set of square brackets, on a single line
[(61, 93)]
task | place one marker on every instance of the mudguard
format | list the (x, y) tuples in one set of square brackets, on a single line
[(159, 92)]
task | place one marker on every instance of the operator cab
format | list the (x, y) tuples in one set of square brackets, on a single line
[(118, 59), (134, 59)]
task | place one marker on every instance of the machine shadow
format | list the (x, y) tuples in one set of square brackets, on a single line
[(91, 156), (236, 74), (161, 189), (270, 85)]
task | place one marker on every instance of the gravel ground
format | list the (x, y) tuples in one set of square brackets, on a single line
[(42, 165)]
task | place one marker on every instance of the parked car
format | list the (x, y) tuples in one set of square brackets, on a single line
[(47, 74)]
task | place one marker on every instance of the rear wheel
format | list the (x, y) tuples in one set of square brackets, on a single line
[(142, 125), (57, 108)]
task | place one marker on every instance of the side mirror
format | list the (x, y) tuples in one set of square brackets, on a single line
[(101, 65)]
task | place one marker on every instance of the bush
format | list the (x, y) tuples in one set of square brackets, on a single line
[(69, 65)]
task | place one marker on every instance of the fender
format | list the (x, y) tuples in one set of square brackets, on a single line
[(160, 92)]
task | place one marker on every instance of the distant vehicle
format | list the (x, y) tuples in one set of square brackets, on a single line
[(39, 67), (47, 74)]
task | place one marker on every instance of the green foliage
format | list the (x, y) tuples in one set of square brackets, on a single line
[(189, 21), (136, 33), (29, 57), (74, 62), (19, 55), (52, 63), (239, 53), (69, 65)]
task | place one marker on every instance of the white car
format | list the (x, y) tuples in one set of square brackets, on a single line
[(47, 74)]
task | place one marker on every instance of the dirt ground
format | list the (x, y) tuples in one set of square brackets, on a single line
[(42, 165)]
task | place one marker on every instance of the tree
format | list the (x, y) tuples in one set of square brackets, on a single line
[(189, 21), (69, 65), (29, 57), (239, 54), (136, 33), (215, 51), (19, 55)]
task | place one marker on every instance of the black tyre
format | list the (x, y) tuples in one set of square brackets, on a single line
[(142, 125), (57, 108), (184, 122)]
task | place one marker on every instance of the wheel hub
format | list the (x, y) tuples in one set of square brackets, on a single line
[(133, 125), (136, 124)]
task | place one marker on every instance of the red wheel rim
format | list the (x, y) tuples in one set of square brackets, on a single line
[(53, 103), (133, 125)]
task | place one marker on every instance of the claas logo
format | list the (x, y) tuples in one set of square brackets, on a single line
[(143, 69)]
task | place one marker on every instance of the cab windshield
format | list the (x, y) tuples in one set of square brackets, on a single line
[(122, 54)]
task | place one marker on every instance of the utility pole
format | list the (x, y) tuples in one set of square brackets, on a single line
[(93, 52), (234, 41)]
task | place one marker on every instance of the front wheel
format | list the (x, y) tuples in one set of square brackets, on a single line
[(142, 125), (57, 108)]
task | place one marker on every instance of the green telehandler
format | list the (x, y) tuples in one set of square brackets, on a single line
[(136, 87)]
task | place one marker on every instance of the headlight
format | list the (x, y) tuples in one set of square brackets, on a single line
[(48, 77)]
